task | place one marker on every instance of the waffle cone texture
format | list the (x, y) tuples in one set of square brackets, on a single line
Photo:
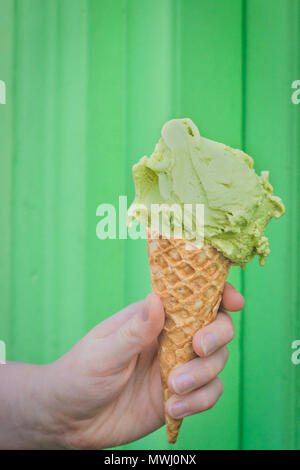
[(190, 282)]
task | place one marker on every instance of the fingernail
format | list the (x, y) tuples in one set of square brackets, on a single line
[(183, 383), (177, 409), (144, 312), (209, 343)]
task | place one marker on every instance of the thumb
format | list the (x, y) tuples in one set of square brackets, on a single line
[(139, 331)]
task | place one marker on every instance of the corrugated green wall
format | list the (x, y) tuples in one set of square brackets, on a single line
[(90, 83), (271, 320)]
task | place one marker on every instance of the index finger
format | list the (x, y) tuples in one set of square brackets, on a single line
[(232, 300)]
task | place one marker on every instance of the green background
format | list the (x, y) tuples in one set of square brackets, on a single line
[(89, 85)]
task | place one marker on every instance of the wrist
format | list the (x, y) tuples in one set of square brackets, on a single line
[(35, 417)]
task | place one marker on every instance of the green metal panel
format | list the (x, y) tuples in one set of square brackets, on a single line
[(48, 184), (6, 138), (90, 84), (105, 160), (270, 417)]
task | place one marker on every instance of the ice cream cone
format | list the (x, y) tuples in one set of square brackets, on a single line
[(190, 283)]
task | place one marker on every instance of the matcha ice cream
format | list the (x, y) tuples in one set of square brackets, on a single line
[(186, 168)]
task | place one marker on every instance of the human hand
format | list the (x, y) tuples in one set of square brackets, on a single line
[(106, 391)]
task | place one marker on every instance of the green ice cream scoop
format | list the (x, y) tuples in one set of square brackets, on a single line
[(186, 168)]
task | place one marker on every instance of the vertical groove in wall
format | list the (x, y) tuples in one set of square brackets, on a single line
[(268, 327), (125, 128), (293, 441), (292, 436), (244, 148), (12, 319), (297, 231), (71, 175), (176, 59), (50, 259), (105, 155), (6, 139)]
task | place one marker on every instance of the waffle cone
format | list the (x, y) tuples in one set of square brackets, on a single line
[(190, 283)]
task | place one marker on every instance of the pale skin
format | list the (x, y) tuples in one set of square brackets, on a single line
[(106, 391)]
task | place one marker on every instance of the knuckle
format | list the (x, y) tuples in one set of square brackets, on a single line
[(206, 401), (197, 346), (222, 359), (209, 371), (132, 332), (231, 335), (220, 386), (210, 398), (226, 353), (129, 334)]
